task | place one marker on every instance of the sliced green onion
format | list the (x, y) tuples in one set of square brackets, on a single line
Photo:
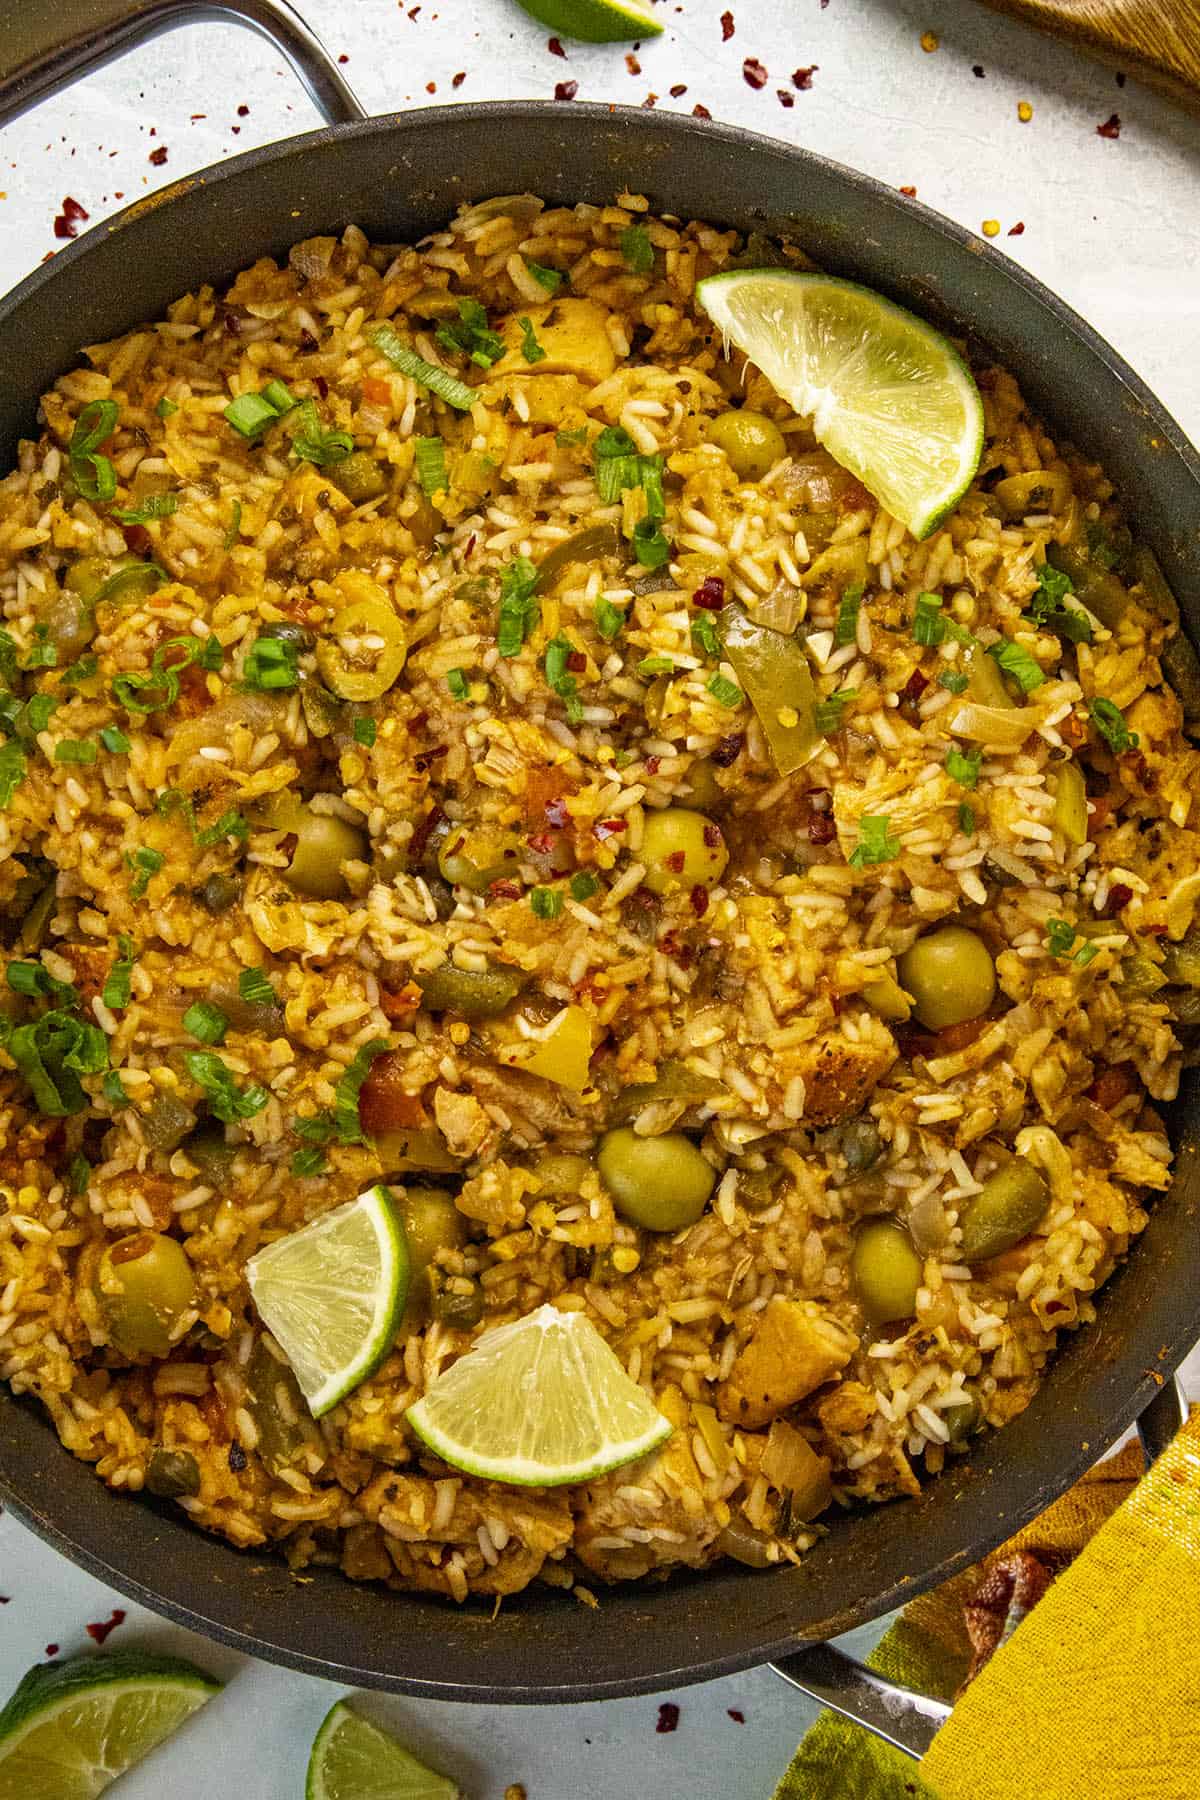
[(235, 526), (271, 665), (429, 457), (550, 279), (609, 619), (439, 381), (277, 396), (650, 547), (365, 732), (954, 681), (206, 1022), (966, 818), (12, 772), (583, 886), (113, 1089), (312, 443), (705, 636), (827, 713), (345, 1103), (146, 576), (114, 740), (518, 605), (726, 693), (75, 750), (876, 844), (845, 631), (929, 627), (154, 506), (458, 684), (566, 438), (1109, 721), (144, 863), (255, 988), (306, 1163), (166, 407), (656, 665), (1020, 663), (637, 249), (546, 902), (118, 988), (964, 767), (227, 1104), (531, 350), (230, 824), (250, 414)]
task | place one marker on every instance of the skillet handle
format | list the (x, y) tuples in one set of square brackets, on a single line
[(47, 46), (902, 1717)]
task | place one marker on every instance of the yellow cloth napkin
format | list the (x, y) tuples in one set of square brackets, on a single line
[(1097, 1694)]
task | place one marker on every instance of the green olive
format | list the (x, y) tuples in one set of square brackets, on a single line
[(1005, 1210), (886, 1271), (962, 1421), (560, 1172), (950, 975), (861, 1145), (752, 443), (681, 849), (145, 1286), (364, 651), (431, 1223), (458, 1302), (1038, 491), (475, 857), (172, 1474), (360, 477), (324, 842), (471, 993), (660, 1183)]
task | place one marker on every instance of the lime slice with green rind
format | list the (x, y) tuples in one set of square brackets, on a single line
[(353, 1760), (888, 396), (71, 1728), (332, 1295), (595, 21), (538, 1403)]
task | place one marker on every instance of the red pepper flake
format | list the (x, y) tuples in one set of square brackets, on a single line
[(577, 662), (138, 539), (606, 828), (431, 87), (243, 112), (910, 193), (456, 81), (322, 386), (343, 58), (427, 758), (699, 899), (1118, 896), (700, 112), (67, 223), (668, 1717), (679, 88), (52, 1650), (103, 1629), (727, 27), (786, 97), (754, 73), (308, 342), (728, 749), (915, 686), (632, 63), (554, 46), (556, 813), (566, 90), (158, 157), (736, 1714), (1017, 230), (821, 828), (1111, 127), (505, 890), (232, 323), (712, 836), (802, 78), (653, 764), (542, 842), (649, 103), (710, 595), (675, 861)]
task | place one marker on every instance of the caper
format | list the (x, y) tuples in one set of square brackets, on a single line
[(218, 893), (681, 849), (145, 1286), (757, 1189), (660, 1183), (431, 1222), (950, 976), (472, 993), (324, 842), (287, 631), (458, 1302), (1005, 1210), (360, 477), (172, 1474), (752, 443), (861, 1145), (886, 1270)]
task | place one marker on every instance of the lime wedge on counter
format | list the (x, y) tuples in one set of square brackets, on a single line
[(538, 1403), (72, 1727), (332, 1295), (353, 1760), (887, 395), (595, 21)]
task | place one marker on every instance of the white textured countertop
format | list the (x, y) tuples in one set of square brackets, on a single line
[(1109, 222)]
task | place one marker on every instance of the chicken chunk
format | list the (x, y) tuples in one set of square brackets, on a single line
[(839, 1072), (795, 1348), (519, 1531), (462, 1122), (574, 336), (649, 1515)]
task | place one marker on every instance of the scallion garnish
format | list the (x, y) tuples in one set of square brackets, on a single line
[(650, 547), (876, 843), (345, 1101), (277, 395), (953, 680), (1020, 663), (144, 863), (471, 335), (271, 665), (225, 1101), (206, 1022), (12, 772), (439, 381), (365, 731), (656, 665), (827, 713), (250, 414), (725, 692), (636, 249), (165, 408), (531, 350), (34, 981), (230, 824), (583, 886), (846, 629), (235, 526), (306, 1163), (255, 988), (609, 619), (312, 443), (114, 740), (1109, 721), (113, 1089), (929, 627), (518, 605), (154, 506), (93, 474), (550, 279), (118, 987), (705, 636), (546, 902), (966, 818), (963, 766), (75, 750), (458, 684), (429, 458)]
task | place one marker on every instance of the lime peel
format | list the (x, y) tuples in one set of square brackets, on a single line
[(539, 1403), (352, 1759), (332, 1295), (888, 396)]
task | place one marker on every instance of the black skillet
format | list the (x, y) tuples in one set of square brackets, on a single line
[(398, 177)]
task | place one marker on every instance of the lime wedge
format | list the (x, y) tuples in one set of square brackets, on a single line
[(887, 395), (353, 1760), (595, 21), (332, 1294), (72, 1727), (538, 1403)]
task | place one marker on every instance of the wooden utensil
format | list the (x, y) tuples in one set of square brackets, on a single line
[(1156, 40)]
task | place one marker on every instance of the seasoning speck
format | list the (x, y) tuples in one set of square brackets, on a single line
[(736, 1714), (66, 225), (632, 63), (753, 73), (668, 1717), (456, 81), (802, 78), (727, 27), (566, 90), (52, 1650), (1024, 111), (237, 1458), (929, 42), (554, 46), (910, 193), (679, 88), (700, 112), (1111, 127), (785, 96), (977, 70), (991, 228), (1017, 230), (158, 157), (243, 111), (100, 1631)]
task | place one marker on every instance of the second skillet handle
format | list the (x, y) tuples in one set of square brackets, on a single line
[(45, 45), (907, 1720)]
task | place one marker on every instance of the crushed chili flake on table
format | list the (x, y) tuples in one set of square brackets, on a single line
[(66, 225), (1017, 230), (785, 96), (456, 81), (727, 27), (51, 1649), (679, 88), (103, 1628), (736, 1714), (243, 111), (158, 157), (910, 193), (554, 46), (929, 42), (668, 1716), (753, 73), (1111, 127), (802, 78), (700, 112), (632, 63), (566, 90), (1120, 78)]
